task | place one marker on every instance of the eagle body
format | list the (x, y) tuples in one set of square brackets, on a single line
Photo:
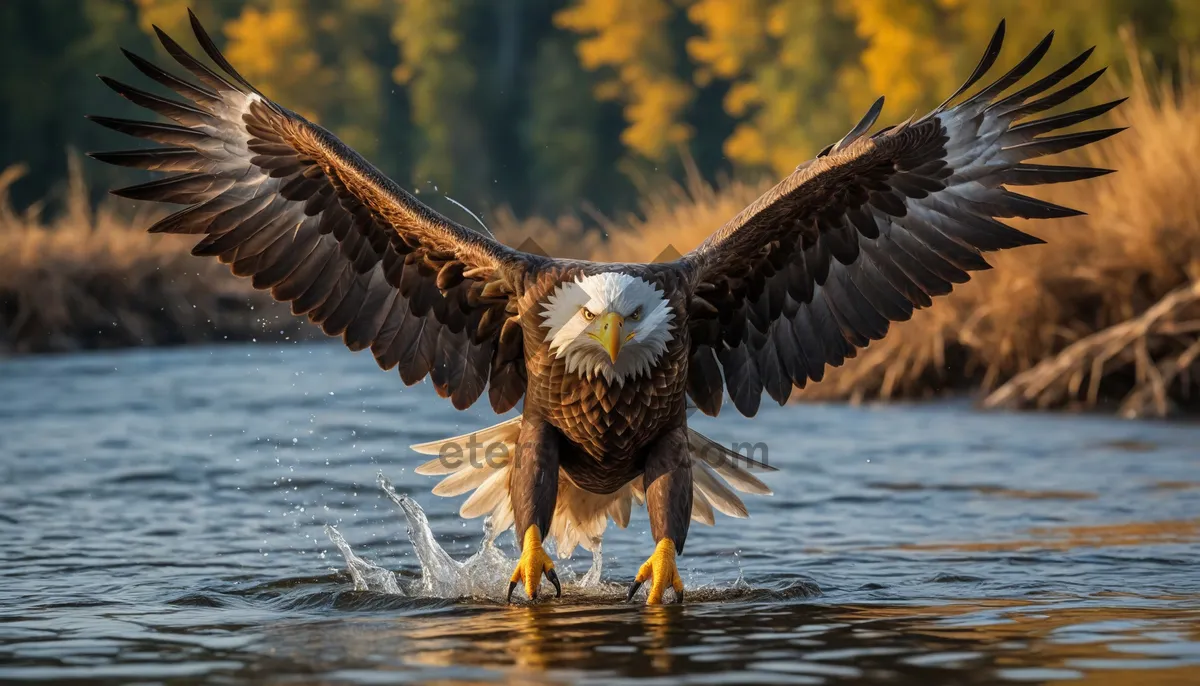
[(605, 357), (606, 424)]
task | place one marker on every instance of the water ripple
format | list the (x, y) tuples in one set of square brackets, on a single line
[(165, 510)]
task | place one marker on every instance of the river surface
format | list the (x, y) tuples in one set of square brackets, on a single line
[(163, 519)]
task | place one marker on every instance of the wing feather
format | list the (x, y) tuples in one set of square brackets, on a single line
[(285, 203), (875, 227)]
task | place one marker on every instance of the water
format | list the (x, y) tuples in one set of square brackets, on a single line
[(163, 517)]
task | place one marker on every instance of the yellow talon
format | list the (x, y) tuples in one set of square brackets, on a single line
[(661, 568), (533, 563)]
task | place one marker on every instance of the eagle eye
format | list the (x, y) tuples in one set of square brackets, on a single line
[(588, 314), (637, 314)]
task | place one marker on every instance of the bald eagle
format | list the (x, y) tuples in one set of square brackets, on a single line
[(605, 356)]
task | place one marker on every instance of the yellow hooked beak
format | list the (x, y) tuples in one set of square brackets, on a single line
[(610, 333)]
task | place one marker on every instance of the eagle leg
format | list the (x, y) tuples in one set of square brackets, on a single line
[(533, 563), (668, 479), (533, 491)]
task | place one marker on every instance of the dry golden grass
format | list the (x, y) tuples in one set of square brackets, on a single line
[(1140, 241), (93, 278)]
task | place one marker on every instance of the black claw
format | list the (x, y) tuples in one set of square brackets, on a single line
[(633, 589), (511, 587), (679, 597), (553, 577)]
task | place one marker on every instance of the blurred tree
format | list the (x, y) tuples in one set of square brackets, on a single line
[(1076, 25), (802, 71), (276, 50), (317, 60), (905, 55), (546, 105), (789, 63), (52, 50), (440, 78), (171, 15), (560, 131), (630, 38), (1186, 27)]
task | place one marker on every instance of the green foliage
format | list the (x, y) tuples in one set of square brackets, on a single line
[(441, 80), (52, 50), (549, 106), (558, 131)]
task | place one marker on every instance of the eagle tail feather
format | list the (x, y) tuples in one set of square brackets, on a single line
[(467, 463)]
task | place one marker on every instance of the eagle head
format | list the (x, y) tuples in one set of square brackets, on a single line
[(610, 324)]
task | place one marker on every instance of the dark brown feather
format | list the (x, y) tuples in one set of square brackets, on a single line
[(705, 386), (291, 207), (877, 225)]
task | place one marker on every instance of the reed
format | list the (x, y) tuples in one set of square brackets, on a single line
[(93, 278)]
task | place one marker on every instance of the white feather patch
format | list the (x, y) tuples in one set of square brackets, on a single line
[(724, 500), (581, 517), (701, 509), (489, 494), (623, 294)]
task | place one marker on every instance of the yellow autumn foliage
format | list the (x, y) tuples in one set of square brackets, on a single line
[(901, 59), (736, 32), (799, 71), (630, 38), (169, 15), (274, 47), (439, 80), (790, 76), (424, 31)]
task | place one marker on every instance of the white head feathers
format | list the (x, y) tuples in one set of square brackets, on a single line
[(577, 310)]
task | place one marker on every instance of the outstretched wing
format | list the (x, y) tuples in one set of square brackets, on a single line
[(284, 202), (871, 230)]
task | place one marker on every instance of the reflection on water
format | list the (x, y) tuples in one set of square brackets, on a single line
[(1099, 536), (164, 519), (761, 636), (988, 489)]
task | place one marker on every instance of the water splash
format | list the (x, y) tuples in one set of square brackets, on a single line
[(483, 575), (592, 578), (367, 576)]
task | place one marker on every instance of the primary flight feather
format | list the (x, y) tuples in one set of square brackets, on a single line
[(604, 356)]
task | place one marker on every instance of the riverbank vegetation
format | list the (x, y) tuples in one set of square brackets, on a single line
[(91, 277)]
